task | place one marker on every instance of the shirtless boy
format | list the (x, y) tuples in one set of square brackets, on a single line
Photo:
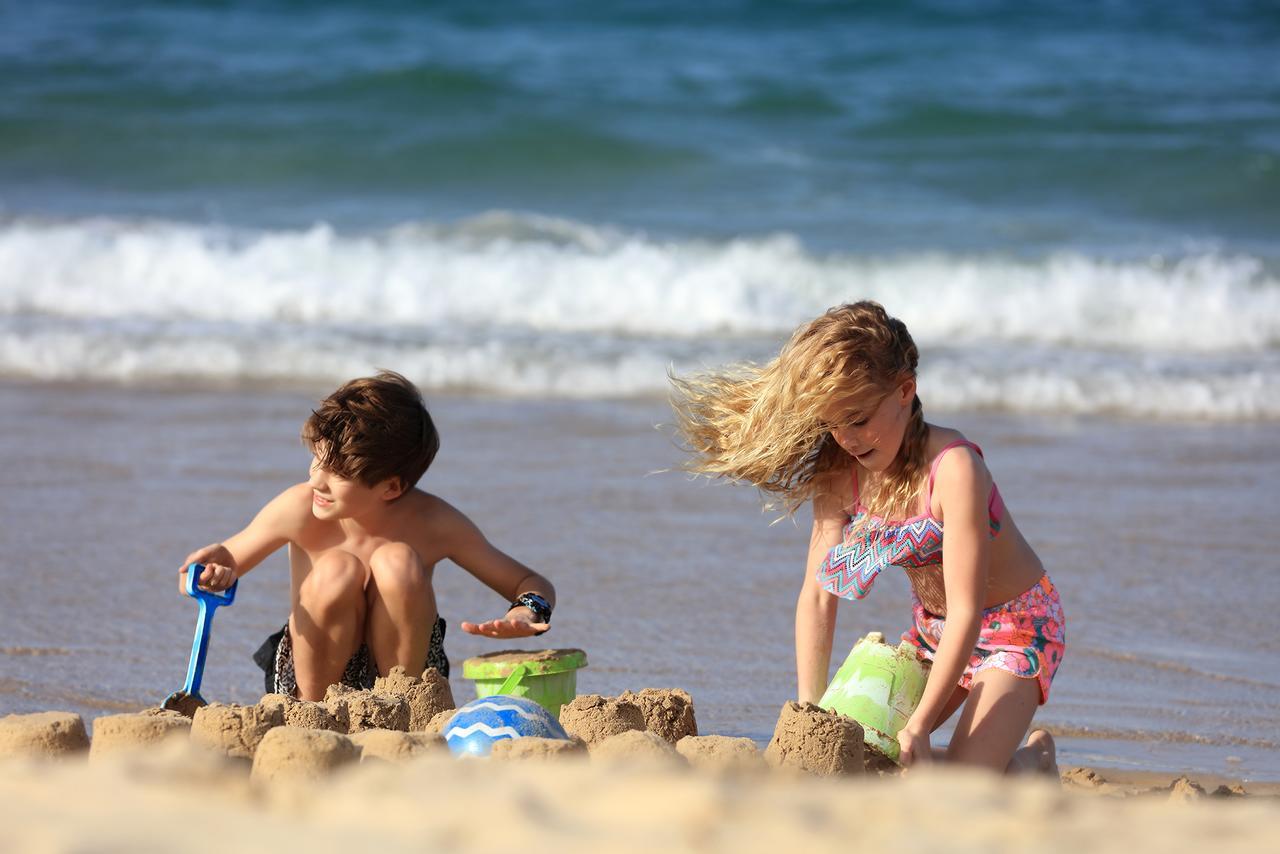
[(363, 542)]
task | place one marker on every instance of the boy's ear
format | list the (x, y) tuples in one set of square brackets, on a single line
[(392, 488)]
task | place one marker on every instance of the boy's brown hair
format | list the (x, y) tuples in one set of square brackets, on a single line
[(373, 428)]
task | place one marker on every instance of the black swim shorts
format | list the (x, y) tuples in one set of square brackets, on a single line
[(275, 657)]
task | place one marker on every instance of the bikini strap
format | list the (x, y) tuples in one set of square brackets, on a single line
[(933, 470), (857, 496)]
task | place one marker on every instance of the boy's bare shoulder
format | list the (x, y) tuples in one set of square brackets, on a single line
[(291, 509), (434, 513)]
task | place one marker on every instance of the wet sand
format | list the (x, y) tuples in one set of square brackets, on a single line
[(1157, 534)]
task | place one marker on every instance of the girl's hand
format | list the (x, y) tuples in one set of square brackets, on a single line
[(518, 623), (913, 744)]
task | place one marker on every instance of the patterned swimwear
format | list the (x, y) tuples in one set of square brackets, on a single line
[(275, 657), (1025, 636)]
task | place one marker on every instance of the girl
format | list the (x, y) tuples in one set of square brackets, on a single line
[(835, 420)]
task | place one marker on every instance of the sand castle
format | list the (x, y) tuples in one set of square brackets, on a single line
[(401, 719), (370, 760), (629, 790)]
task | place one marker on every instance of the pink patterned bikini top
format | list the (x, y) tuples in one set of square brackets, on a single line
[(850, 568)]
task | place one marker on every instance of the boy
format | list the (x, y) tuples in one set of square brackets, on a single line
[(363, 542)]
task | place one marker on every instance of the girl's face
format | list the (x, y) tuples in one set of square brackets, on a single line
[(871, 429)]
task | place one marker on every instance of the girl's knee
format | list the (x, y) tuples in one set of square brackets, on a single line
[(397, 570)]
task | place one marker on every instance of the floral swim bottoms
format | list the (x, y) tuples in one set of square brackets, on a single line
[(1025, 636)]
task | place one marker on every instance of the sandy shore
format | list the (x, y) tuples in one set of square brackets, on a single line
[(373, 768), (176, 797), (1150, 681)]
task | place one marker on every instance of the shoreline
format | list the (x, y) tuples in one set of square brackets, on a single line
[(1144, 664)]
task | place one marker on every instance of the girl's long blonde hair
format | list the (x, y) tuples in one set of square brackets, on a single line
[(762, 424)]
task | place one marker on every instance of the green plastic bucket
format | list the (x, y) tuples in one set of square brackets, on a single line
[(879, 686), (549, 677)]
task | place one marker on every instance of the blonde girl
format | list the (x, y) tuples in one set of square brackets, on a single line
[(835, 420)]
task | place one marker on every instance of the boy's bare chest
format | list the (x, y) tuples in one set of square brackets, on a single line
[(321, 537)]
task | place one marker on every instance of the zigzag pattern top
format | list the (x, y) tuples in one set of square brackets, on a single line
[(871, 544)]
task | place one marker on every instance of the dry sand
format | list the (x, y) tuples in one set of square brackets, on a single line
[(145, 802), (630, 790)]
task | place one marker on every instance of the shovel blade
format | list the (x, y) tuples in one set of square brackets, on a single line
[(183, 703)]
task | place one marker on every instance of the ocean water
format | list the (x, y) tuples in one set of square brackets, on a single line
[(1074, 207), (213, 212)]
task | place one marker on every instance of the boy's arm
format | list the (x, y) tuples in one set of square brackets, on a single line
[(276, 524), (468, 548)]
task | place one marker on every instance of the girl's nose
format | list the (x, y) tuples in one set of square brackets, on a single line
[(844, 436)]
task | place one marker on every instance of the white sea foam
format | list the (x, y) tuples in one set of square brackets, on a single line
[(530, 305)]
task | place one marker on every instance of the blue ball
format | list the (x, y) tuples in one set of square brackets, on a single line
[(476, 726)]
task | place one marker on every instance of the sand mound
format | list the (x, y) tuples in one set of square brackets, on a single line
[(1184, 789), (114, 733), (593, 718), (356, 711), (811, 739), (395, 746), (538, 749), (427, 696), (233, 730), (636, 747), (439, 721), (300, 713), (720, 754), (41, 735), (295, 753), (667, 712)]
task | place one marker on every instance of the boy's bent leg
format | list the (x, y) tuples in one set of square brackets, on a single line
[(402, 609), (328, 623)]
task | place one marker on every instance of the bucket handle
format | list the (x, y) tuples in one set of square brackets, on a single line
[(518, 673)]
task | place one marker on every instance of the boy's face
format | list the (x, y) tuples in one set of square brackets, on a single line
[(335, 497)]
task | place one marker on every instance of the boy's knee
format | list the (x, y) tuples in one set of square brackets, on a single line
[(334, 576), (396, 567)]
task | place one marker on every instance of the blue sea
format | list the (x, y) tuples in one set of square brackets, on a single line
[(1076, 207), (213, 212)]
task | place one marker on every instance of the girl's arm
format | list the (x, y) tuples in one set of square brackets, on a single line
[(816, 608), (963, 485)]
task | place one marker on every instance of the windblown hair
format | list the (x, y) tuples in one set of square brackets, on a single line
[(372, 429), (762, 424)]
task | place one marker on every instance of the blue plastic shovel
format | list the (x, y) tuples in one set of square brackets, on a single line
[(188, 699)]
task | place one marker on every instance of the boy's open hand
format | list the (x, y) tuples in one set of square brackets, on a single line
[(518, 623), (219, 568)]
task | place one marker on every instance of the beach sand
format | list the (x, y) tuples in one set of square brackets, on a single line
[(176, 797), (665, 582)]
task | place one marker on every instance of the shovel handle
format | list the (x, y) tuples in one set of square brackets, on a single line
[(209, 602), (214, 597), (513, 679)]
